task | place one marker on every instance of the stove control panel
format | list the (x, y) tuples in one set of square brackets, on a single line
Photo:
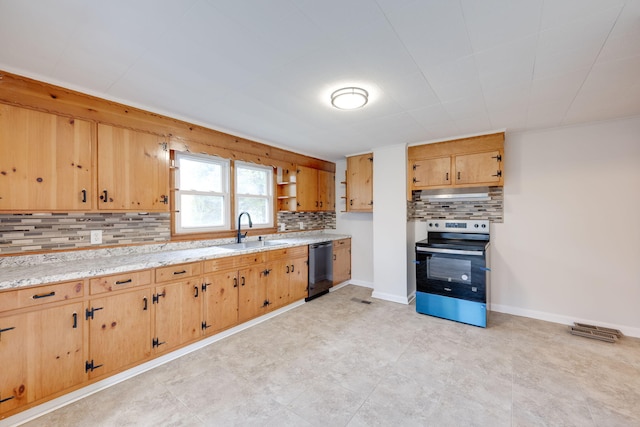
[(460, 226)]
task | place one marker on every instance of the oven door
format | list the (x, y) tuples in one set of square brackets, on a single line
[(454, 273)]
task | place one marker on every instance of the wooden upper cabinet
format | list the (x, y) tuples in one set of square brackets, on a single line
[(45, 161), (431, 172), (315, 190), (360, 183), (133, 170), (479, 168), (307, 189), (326, 190), (468, 162)]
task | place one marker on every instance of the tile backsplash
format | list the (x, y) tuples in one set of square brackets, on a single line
[(20, 233), (492, 210), (24, 233), (310, 221)]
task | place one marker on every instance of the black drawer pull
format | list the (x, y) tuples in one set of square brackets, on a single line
[(84, 196), (196, 289), (180, 272), (75, 320), (123, 282), (7, 329), (292, 268), (8, 398), (38, 296)]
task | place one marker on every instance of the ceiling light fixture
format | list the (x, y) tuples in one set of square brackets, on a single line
[(349, 98)]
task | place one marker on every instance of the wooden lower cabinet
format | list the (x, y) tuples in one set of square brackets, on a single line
[(287, 278), (178, 314), (341, 261), (41, 353), (54, 338), (252, 293), (220, 301), (119, 331)]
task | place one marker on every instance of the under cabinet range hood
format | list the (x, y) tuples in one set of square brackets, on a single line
[(478, 194)]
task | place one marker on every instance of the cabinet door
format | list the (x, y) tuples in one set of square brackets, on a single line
[(360, 183), (220, 293), (252, 293), (327, 190), (431, 172), (120, 331), (55, 356), (133, 170), (298, 279), (480, 168), (45, 161), (178, 314), (307, 189), (278, 283), (341, 261), (13, 373)]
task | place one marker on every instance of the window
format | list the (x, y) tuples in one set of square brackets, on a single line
[(202, 195), (254, 193)]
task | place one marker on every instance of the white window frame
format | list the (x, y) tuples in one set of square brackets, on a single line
[(225, 194), (269, 197)]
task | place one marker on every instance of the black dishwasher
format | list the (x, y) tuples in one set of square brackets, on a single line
[(320, 269)]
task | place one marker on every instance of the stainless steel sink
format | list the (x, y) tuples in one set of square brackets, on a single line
[(252, 245)]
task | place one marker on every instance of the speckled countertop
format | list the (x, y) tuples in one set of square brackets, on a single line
[(29, 270)]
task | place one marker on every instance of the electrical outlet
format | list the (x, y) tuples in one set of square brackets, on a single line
[(301, 224), (96, 237)]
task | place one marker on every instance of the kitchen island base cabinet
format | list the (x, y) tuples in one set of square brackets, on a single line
[(119, 331)]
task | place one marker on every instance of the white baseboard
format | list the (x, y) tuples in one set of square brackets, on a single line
[(362, 283), (391, 297), (562, 319), (68, 398)]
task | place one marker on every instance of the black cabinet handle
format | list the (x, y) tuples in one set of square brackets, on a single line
[(196, 289), (8, 398), (242, 282), (75, 320), (180, 272), (235, 282), (105, 196), (320, 204), (292, 268), (7, 329), (145, 304), (446, 176), (498, 174), (123, 282), (38, 296), (334, 257), (84, 196), (287, 269), (458, 175)]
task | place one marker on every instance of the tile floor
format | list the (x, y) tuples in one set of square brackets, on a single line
[(339, 362)]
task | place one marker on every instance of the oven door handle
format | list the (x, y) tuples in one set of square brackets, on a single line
[(449, 251)]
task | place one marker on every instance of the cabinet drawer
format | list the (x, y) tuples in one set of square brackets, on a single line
[(342, 243), (296, 252), (232, 262), (178, 271), (38, 295), (118, 282)]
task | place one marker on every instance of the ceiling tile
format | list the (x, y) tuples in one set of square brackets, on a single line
[(495, 22)]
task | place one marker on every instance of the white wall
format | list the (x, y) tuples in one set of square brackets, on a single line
[(569, 247), (360, 227), (390, 223)]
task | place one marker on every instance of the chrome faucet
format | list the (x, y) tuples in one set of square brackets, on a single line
[(240, 235)]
